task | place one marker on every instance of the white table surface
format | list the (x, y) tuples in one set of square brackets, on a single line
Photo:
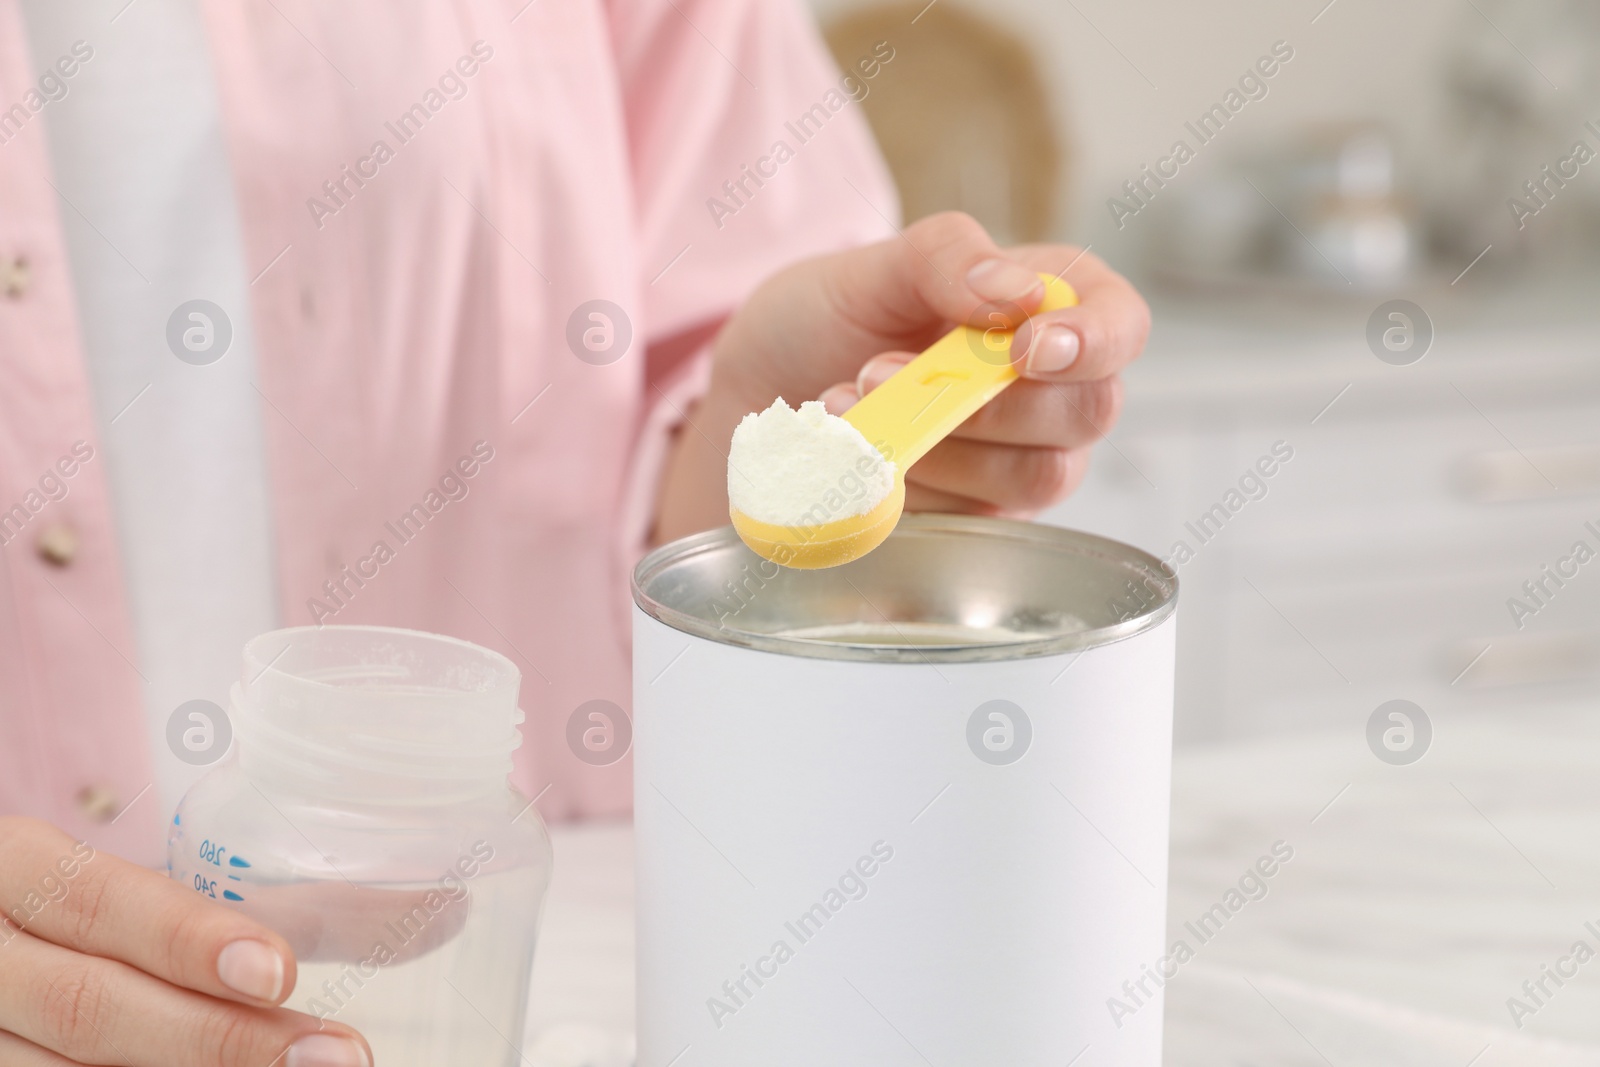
[(1416, 903)]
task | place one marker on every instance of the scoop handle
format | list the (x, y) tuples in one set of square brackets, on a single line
[(924, 401)]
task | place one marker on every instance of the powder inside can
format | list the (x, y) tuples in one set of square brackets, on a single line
[(805, 467)]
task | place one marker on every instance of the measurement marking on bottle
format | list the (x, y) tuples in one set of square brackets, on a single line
[(219, 855)]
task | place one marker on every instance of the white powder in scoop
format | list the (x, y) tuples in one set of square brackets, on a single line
[(802, 468)]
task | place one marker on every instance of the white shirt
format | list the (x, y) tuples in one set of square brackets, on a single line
[(146, 200)]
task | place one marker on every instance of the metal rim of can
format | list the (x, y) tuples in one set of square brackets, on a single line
[(1088, 550)]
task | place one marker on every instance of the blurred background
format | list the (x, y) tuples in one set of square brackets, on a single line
[(1433, 473)]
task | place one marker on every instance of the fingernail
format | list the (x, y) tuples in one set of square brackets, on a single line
[(875, 372), (1001, 279), (1054, 349), (838, 399), (326, 1050), (252, 968)]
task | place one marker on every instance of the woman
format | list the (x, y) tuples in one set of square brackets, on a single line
[(476, 283)]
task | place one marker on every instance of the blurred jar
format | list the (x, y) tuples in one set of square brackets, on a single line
[(1358, 223), (365, 815), (1319, 211)]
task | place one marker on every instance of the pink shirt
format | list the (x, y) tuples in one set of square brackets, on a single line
[(408, 308)]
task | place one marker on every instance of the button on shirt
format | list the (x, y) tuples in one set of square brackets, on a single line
[(58, 544), (14, 277)]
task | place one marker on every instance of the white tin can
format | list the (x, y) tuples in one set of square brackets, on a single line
[(909, 810)]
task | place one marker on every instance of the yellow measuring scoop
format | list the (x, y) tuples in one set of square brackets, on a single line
[(919, 406)]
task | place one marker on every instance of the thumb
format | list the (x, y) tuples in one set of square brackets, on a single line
[(944, 267)]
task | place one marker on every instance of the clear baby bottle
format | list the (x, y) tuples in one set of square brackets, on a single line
[(365, 814)]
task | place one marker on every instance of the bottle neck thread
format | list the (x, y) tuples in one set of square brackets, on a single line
[(375, 715)]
